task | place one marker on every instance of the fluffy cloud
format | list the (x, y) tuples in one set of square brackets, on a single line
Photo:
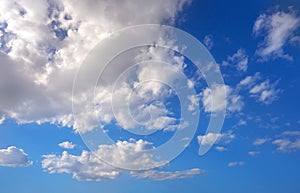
[(239, 60), (220, 138), (162, 175), (67, 145), (213, 99), (89, 167), (236, 163), (277, 28), (14, 157), (44, 42), (263, 91)]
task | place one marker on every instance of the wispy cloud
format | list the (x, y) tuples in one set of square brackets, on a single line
[(239, 60), (163, 175), (236, 163), (276, 28)]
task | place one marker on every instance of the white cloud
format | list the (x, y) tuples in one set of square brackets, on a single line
[(263, 91), (47, 42), (208, 41), (163, 175), (260, 141), (291, 133), (239, 60), (221, 148), (2, 119), (287, 145), (236, 163), (67, 145), (14, 157), (88, 165), (220, 138), (83, 167), (279, 27), (219, 97), (253, 153)]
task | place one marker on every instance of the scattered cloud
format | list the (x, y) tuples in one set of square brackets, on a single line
[(221, 148), (221, 97), (219, 138), (263, 91), (163, 175), (287, 145), (253, 153), (88, 165), (291, 133), (208, 41), (236, 163), (260, 141), (239, 60), (277, 29), (67, 145), (14, 157)]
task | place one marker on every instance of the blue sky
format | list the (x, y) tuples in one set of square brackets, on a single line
[(52, 111)]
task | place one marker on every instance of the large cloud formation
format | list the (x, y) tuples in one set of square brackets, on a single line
[(43, 43)]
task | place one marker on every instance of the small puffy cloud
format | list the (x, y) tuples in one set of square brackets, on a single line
[(218, 138), (163, 175), (67, 145), (208, 41), (239, 60), (253, 153), (14, 157), (236, 163), (220, 97), (263, 91), (260, 141), (276, 28)]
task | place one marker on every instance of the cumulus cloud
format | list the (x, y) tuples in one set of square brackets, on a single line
[(89, 167), (220, 97), (219, 138), (163, 175), (44, 42), (67, 145), (14, 157), (263, 91), (239, 60), (276, 28), (236, 163)]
